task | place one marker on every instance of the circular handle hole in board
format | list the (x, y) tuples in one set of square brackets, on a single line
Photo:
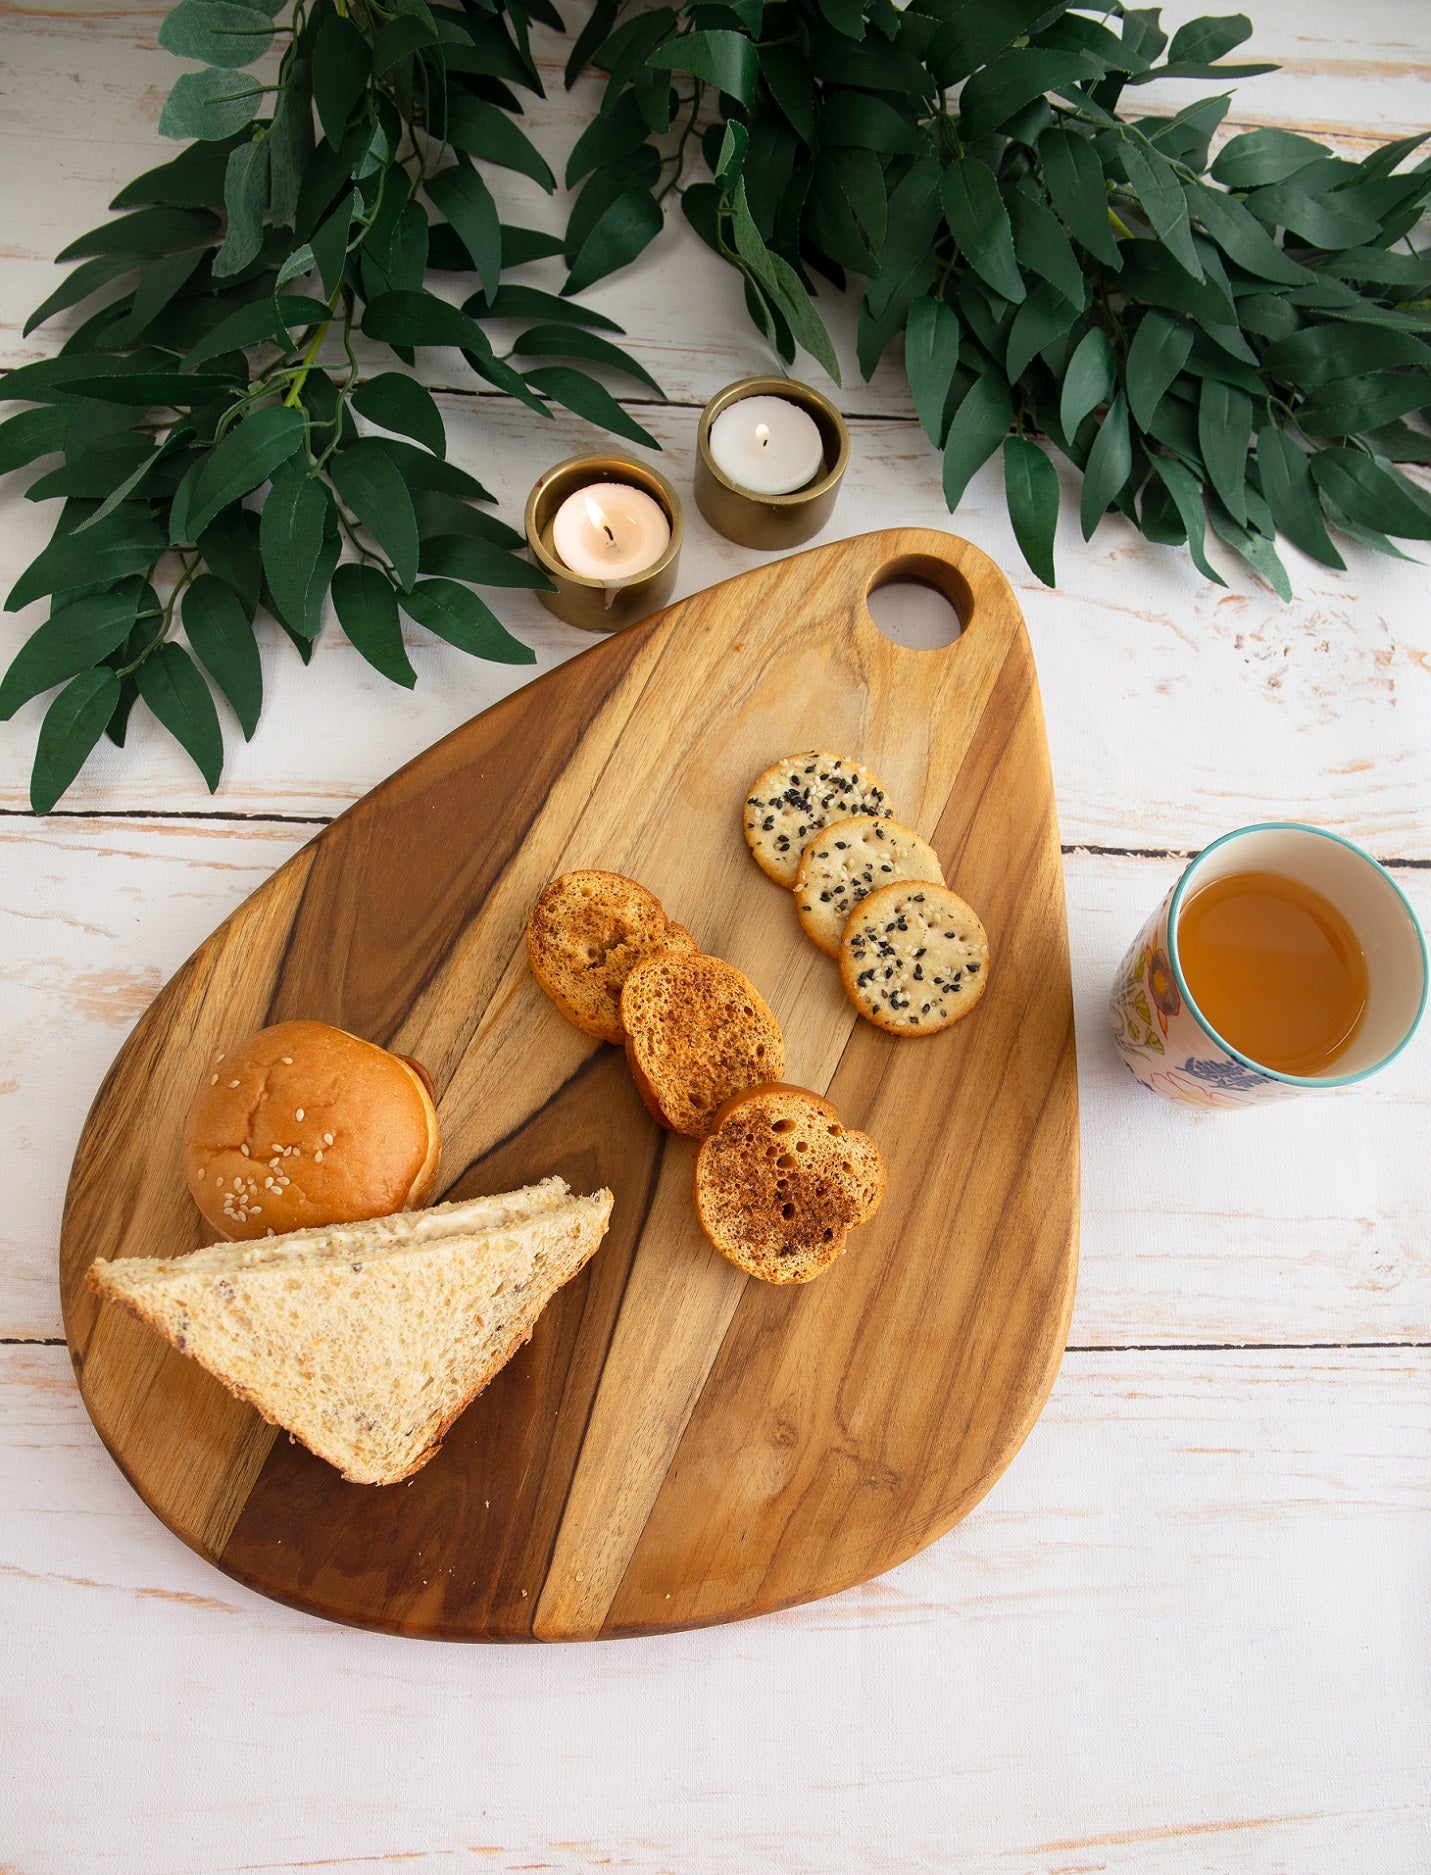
[(920, 603)]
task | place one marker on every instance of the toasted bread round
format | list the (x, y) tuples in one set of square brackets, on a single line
[(302, 1125), (914, 958), (793, 799), (847, 861), (781, 1182), (697, 1031), (586, 932)]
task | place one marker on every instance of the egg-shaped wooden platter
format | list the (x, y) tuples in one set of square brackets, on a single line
[(679, 1443)]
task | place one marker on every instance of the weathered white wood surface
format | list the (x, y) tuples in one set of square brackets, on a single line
[(1187, 1632)]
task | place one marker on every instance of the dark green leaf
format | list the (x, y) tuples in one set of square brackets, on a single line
[(1291, 494), (1370, 493), (342, 66), (931, 354), (1078, 191), (728, 60), (1151, 274), (1155, 183), (464, 556), (217, 32), (1319, 354), (456, 613), (980, 225), (193, 179), (1349, 406), (73, 724), (1264, 156), (422, 471), (482, 130), (209, 104), (622, 232), (245, 198), (399, 39), (599, 22), (290, 142), (158, 285), (1043, 318), (71, 640), (1031, 490), (1088, 380), (91, 473), (263, 320), (1186, 492), (32, 434), (461, 195), (1398, 442), (979, 426), (1243, 238), (856, 120), (221, 633), (1015, 78), (788, 77), (230, 549), (371, 486), (448, 514), (245, 458), (1157, 354), (1256, 549), (640, 170), (972, 32), (1203, 41), (397, 403), (590, 400), (422, 319), (565, 341), (170, 684), (127, 542), (1224, 431), (1320, 220), (330, 244), (783, 285), (1109, 463), (149, 231), (529, 302), (367, 610), (1043, 248), (297, 517), (608, 138), (144, 389), (79, 285)]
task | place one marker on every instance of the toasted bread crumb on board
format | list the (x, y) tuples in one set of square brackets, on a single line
[(586, 933), (792, 800), (780, 1183), (697, 1031), (914, 958)]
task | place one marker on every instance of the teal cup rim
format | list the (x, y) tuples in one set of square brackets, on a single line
[(1190, 1001)]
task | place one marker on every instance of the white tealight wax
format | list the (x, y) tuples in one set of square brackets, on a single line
[(610, 531), (767, 445)]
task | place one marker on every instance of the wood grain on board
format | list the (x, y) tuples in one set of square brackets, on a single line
[(678, 1444)]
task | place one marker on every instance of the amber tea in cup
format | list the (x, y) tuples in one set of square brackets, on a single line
[(1284, 960), (1275, 968)]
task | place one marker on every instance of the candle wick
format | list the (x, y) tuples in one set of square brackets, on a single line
[(606, 528)]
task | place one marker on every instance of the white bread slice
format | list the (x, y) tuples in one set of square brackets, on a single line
[(366, 1341)]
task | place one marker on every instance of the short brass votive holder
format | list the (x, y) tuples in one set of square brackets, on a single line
[(771, 521), (601, 605)]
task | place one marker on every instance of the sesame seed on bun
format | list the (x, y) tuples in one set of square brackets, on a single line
[(302, 1125)]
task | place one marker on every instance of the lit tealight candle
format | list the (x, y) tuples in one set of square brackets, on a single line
[(767, 445), (610, 531)]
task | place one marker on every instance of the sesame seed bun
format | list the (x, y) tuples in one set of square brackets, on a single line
[(304, 1125)]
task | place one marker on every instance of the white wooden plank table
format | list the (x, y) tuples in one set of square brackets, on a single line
[(1188, 1631)]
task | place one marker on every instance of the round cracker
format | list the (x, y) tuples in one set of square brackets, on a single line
[(850, 859), (914, 958), (789, 802), (587, 931)]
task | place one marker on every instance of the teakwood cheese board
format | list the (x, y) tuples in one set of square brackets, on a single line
[(679, 1444)]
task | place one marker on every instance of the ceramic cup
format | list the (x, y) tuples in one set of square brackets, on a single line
[(1168, 1043)]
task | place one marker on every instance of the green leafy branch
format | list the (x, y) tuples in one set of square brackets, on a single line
[(1241, 342), (207, 444)]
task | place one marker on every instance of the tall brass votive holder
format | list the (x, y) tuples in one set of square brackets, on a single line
[(771, 521), (600, 605)]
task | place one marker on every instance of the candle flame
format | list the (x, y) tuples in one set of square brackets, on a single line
[(762, 434), (596, 514)]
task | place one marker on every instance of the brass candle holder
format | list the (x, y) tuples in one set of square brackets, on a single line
[(601, 605), (771, 521)]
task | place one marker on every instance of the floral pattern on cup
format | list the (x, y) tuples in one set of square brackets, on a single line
[(1163, 1043)]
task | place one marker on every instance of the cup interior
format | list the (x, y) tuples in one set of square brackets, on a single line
[(1372, 904)]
